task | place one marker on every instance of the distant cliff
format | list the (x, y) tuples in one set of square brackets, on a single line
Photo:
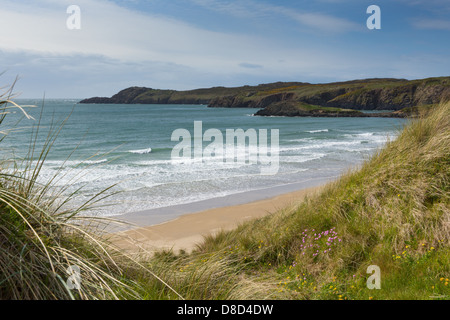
[(369, 94), (142, 95), (283, 98)]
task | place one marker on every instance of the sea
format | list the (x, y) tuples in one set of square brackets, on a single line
[(127, 151)]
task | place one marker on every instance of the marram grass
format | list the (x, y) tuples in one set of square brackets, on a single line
[(46, 251)]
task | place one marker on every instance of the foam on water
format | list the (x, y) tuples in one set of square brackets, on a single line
[(142, 151), (318, 131), (146, 178)]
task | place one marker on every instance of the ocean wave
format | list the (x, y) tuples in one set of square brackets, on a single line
[(326, 145), (302, 140), (94, 161), (360, 135), (142, 151), (318, 131), (302, 158), (72, 163)]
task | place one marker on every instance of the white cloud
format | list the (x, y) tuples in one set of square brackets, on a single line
[(117, 47), (122, 35), (115, 32), (321, 22), (250, 9), (432, 24)]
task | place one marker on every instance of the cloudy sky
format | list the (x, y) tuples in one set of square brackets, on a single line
[(186, 44)]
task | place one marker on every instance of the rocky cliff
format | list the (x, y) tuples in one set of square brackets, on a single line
[(370, 94), (283, 98)]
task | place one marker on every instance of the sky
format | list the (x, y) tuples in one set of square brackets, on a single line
[(188, 44)]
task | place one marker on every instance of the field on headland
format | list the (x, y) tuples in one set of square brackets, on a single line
[(393, 212)]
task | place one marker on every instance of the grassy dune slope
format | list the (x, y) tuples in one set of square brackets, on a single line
[(392, 212)]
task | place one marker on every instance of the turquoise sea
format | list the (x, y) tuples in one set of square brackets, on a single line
[(130, 145)]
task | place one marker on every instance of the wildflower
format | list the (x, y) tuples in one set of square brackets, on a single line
[(370, 298)]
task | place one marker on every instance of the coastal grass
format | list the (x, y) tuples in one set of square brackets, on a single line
[(392, 212), (46, 251)]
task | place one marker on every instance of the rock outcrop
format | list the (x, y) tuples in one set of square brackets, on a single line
[(278, 98), (298, 109)]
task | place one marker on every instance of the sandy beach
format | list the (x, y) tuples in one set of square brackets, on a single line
[(188, 230)]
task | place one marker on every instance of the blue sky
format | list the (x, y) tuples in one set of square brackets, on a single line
[(186, 44)]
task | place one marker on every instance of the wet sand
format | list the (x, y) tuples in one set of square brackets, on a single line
[(188, 230)]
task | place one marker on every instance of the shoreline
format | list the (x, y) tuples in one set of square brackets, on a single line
[(156, 216), (188, 230)]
